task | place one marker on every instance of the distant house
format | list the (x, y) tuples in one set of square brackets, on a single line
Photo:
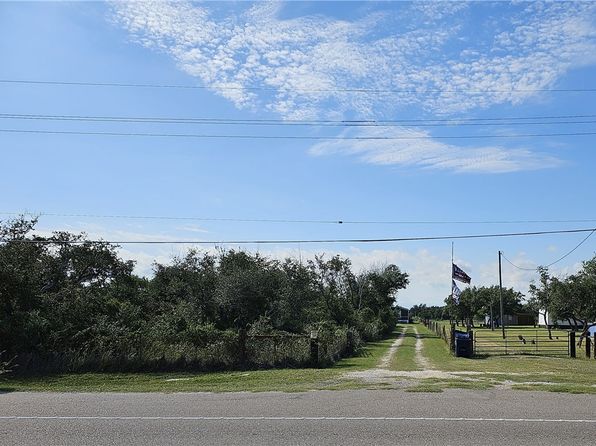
[(513, 319), (561, 323), (403, 314)]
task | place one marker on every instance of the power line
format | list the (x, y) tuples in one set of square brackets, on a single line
[(284, 220), (292, 137), (552, 263), (318, 123), (309, 241), (307, 90)]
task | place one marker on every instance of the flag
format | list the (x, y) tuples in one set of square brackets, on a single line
[(455, 292), (459, 274)]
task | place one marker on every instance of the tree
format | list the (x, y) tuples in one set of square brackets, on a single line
[(574, 298), (476, 302), (540, 301), (424, 312), (69, 303)]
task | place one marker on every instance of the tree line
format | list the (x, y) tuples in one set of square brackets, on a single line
[(68, 303), (570, 299)]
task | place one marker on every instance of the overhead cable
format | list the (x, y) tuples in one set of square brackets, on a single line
[(287, 220), (302, 90), (552, 263), (477, 122), (291, 137), (309, 241)]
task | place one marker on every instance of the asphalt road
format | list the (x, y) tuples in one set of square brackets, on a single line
[(458, 417)]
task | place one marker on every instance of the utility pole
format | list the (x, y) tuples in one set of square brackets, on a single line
[(501, 296)]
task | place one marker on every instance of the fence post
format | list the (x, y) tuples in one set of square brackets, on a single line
[(594, 345), (572, 344), (242, 336), (452, 338), (314, 349), (588, 346)]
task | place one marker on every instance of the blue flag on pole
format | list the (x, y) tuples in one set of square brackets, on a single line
[(455, 292), (459, 274)]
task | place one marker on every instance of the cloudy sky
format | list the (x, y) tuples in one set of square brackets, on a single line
[(400, 119)]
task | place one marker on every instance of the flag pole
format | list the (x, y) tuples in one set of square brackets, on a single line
[(451, 284), (451, 270), (451, 287)]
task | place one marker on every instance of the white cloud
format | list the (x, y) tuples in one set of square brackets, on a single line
[(191, 228), (421, 56), (431, 153), (530, 49), (437, 10)]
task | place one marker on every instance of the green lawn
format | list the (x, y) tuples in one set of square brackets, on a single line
[(405, 357)]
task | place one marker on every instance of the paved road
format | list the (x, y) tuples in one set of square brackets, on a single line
[(314, 418)]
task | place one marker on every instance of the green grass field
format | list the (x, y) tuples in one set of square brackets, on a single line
[(404, 358)]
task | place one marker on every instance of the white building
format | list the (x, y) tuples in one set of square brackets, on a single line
[(563, 323)]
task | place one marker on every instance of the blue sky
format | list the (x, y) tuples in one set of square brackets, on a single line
[(301, 61)]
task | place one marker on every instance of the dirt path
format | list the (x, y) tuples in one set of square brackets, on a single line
[(382, 373), (422, 362), (385, 361)]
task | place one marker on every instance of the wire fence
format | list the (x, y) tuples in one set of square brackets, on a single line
[(526, 343), (231, 350), (521, 340)]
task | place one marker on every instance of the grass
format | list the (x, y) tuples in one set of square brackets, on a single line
[(405, 356), (434, 385), (565, 388), (284, 380)]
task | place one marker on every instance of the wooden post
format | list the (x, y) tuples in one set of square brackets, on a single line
[(572, 344), (501, 297), (314, 349), (242, 337), (594, 345), (471, 333), (452, 338)]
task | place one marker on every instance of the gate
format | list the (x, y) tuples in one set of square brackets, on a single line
[(522, 342)]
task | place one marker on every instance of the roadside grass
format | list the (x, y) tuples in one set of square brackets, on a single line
[(435, 385), (405, 356), (566, 388), (283, 380), (425, 387)]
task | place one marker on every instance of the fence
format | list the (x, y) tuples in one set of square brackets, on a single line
[(529, 341), (439, 329), (228, 351), (522, 341)]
